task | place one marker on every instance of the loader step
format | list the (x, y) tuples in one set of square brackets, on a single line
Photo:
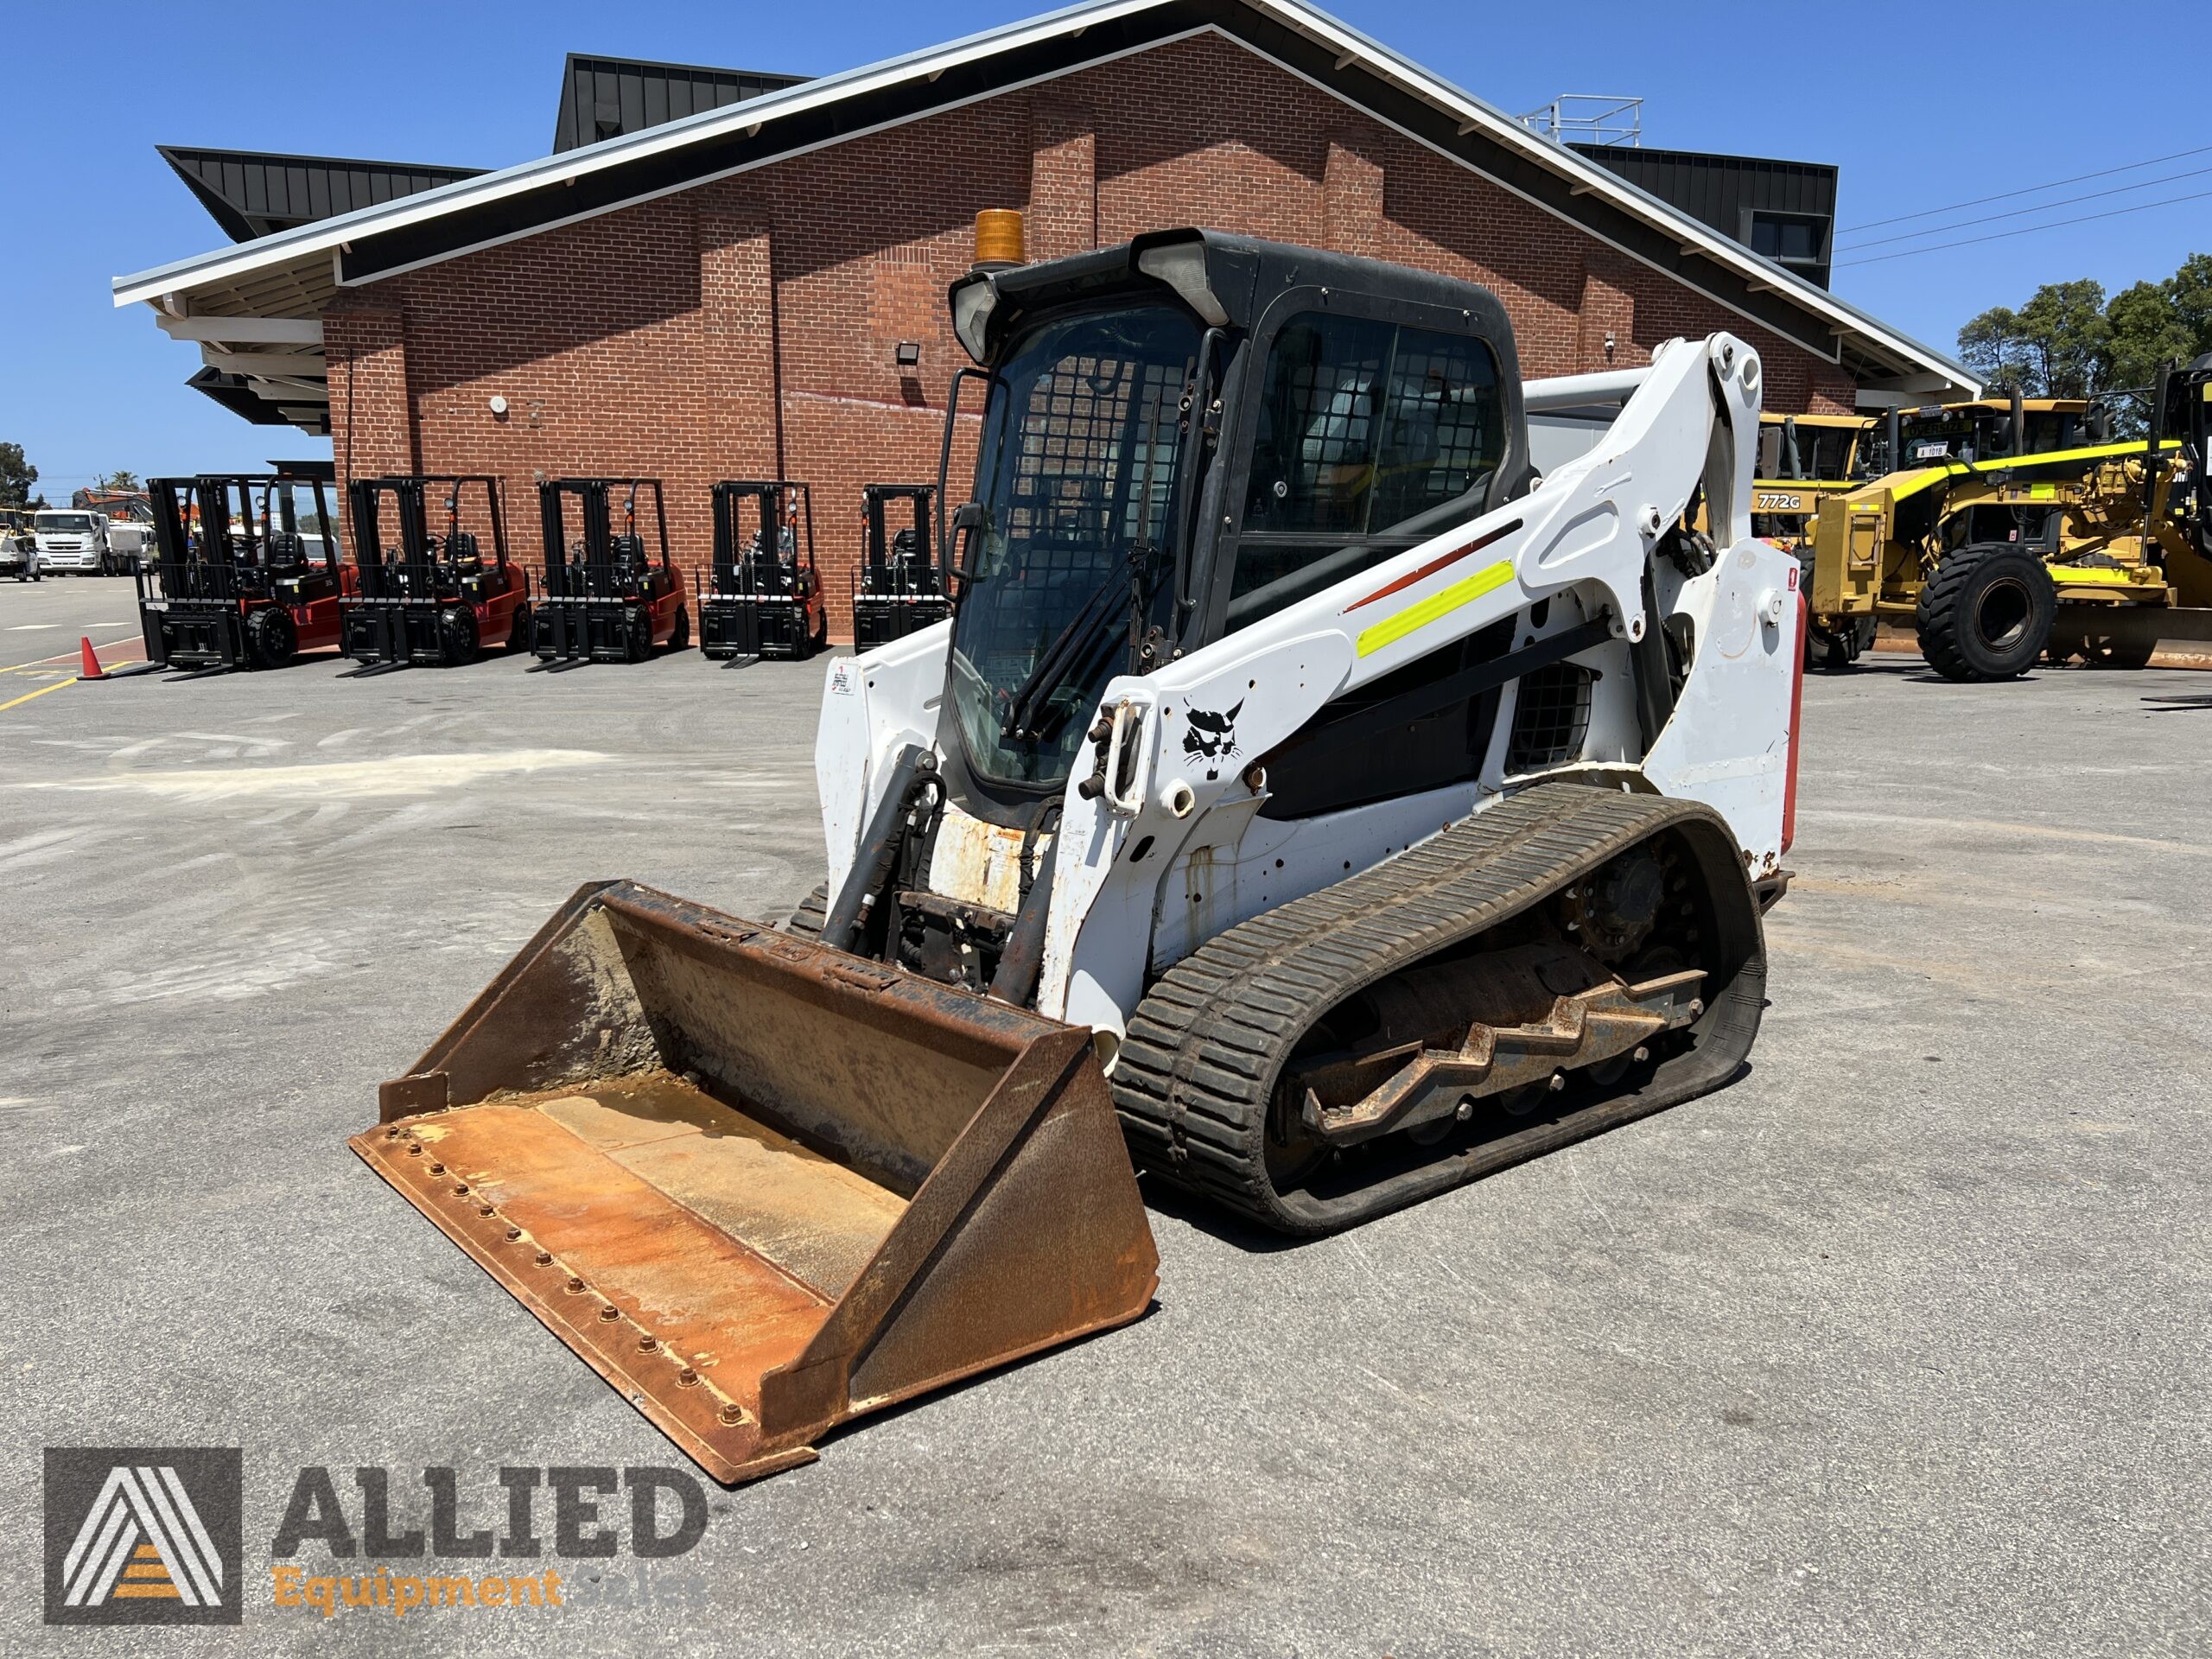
[(1197, 1080)]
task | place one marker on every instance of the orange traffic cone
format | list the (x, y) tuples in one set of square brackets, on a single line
[(92, 669)]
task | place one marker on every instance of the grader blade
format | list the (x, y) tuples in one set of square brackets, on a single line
[(762, 1187)]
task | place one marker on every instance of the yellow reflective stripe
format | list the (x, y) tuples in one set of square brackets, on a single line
[(2096, 576), (1391, 629), (2054, 457)]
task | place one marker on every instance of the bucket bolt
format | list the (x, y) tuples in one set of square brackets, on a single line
[(732, 1413), (608, 1315)]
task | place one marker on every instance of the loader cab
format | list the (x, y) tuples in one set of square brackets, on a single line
[(1810, 448), (1180, 437)]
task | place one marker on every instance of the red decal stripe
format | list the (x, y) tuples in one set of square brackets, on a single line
[(1435, 565)]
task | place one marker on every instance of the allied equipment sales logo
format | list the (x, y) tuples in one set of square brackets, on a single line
[(144, 1534)]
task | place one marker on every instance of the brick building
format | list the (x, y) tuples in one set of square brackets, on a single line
[(730, 293)]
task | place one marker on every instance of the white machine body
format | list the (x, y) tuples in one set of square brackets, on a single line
[(1174, 851)]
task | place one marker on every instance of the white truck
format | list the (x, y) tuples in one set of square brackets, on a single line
[(73, 538)]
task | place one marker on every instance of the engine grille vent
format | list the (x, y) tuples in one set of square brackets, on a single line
[(1551, 717)]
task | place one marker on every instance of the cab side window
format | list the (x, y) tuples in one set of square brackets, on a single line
[(1363, 427)]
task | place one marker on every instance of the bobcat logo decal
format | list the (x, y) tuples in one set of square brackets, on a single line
[(1211, 737)]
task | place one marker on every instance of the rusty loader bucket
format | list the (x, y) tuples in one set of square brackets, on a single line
[(762, 1186)]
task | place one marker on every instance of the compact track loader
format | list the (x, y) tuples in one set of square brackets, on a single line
[(898, 589), (1306, 803), (431, 597), (763, 596), (245, 572), (609, 594), (2012, 542)]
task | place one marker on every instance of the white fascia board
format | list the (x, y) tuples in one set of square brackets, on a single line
[(244, 330)]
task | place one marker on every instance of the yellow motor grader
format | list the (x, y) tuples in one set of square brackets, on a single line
[(2018, 534)]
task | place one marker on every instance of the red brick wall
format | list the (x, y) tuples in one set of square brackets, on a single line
[(749, 327)]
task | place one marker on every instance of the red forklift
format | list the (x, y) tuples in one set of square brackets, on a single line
[(607, 597), (426, 597), (763, 597), (900, 588), (245, 572)]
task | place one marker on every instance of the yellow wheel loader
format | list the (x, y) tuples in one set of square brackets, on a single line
[(2011, 543), (1305, 805), (1802, 459)]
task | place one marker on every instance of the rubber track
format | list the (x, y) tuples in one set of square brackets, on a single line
[(806, 921), (1198, 1063)]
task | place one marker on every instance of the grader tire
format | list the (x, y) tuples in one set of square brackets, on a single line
[(1986, 612)]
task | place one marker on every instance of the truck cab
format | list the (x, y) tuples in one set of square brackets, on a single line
[(71, 539)]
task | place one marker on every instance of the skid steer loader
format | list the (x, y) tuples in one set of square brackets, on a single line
[(1306, 801)]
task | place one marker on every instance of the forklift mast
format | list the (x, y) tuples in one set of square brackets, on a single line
[(763, 597), (902, 561), (772, 555), (899, 588), (602, 563), (420, 562)]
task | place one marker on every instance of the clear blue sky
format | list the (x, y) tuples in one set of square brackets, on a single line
[(1914, 103)]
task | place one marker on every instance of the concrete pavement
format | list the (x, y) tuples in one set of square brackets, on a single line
[(1896, 1345)]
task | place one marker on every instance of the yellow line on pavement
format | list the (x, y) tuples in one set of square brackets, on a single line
[(41, 692), (71, 655)]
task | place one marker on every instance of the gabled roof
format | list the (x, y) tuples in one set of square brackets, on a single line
[(605, 98), (236, 393), (301, 268), (253, 193)]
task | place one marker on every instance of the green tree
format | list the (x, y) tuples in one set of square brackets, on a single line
[(2190, 289), (2068, 341), (16, 476), (2142, 330), (2052, 346), (2067, 336), (118, 481), (1993, 346)]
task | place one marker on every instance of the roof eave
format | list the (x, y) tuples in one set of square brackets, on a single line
[(329, 238)]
